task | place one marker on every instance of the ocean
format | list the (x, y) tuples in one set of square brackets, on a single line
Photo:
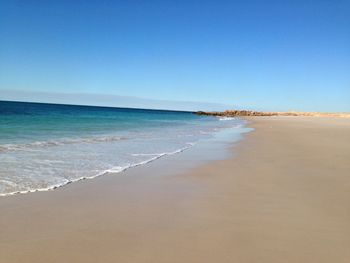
[(44, 146)]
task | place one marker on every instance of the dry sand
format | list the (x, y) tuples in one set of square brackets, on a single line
[(284, 197)]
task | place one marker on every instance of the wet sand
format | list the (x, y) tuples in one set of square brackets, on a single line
[(282, 197)]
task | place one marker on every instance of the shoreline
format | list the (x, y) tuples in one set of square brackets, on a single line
[(281, 195), (111, 171), (235, 135)]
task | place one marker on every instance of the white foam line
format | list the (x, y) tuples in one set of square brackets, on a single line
[(227, 118), (116, 169), (42, 144)]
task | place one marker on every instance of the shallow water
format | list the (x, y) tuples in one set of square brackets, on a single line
[(43, 146)]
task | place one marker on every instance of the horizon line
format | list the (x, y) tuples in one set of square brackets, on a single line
[(94, 106), (108, 100)]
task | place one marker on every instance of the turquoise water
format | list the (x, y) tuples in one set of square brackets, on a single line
[(43, 146)]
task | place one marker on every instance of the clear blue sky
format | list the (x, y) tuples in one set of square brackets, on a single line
[(270, 55)]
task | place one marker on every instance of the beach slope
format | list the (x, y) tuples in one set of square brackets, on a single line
[(282, 197)]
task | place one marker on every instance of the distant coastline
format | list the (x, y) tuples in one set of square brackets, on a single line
[(242, 113)]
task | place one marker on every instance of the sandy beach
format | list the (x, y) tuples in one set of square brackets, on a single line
[(283, 196)]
